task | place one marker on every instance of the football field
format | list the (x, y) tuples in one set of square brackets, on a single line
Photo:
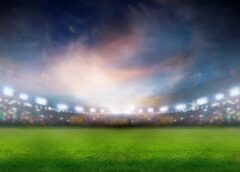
[(120, 149)]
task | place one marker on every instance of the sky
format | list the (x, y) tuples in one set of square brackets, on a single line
[(116, 54)]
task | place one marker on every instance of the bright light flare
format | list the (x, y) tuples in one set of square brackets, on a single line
[(131, 109), (62, 107), (181, 107), (219, 96), (79, 109), (164, 109), (150, 110), (23, 96), (140, 110), (234, 91), (41, 101), (8, 91), (92, 110), (202, 101)]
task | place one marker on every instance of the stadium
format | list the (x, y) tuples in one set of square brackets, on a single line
[(119, 86), (221, 109), (180, 145)]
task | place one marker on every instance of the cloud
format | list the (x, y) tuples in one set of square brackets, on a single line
[(131, 63)]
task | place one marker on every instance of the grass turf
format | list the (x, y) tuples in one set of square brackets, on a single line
[(141, 149)]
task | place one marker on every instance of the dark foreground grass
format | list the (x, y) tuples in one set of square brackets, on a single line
[(145, 149)]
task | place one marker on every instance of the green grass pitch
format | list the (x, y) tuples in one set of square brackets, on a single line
[(125, 149)]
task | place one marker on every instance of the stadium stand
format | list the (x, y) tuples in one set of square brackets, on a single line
[(222, 110)]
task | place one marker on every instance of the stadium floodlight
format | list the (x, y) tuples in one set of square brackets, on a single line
[(163, 109), (150, 110), (62, 107), (234, 91), (181, 107), (92, 110), (79, 109), (219, 96), (27, 104), (41, 101), (8, 91), (202, 101), (23, 96)]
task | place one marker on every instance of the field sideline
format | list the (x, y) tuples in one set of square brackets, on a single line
[(132, 149)]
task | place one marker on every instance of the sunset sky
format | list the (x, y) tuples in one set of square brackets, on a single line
[(115, 54)]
